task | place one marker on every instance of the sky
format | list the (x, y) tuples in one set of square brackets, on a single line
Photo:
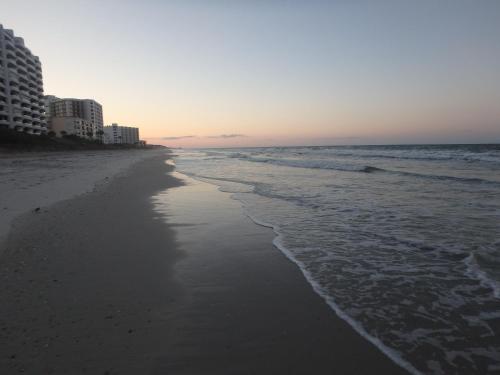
[(230, 73)]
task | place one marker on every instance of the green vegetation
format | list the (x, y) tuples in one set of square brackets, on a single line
[(13, 140)]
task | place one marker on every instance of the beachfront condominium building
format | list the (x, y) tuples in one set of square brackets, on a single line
[(117, 134), (69, 115), (47, 101), (73, 126), (21, 86)]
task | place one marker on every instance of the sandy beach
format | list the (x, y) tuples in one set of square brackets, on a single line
[(36, 180), (154, 273)]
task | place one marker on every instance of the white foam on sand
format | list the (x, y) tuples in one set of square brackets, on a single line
[(37, 180), (394, 355)]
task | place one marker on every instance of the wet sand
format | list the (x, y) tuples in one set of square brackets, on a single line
[(117, 282)]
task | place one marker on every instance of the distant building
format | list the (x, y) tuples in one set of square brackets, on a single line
[(47, 100), (87, 110), (117, 134), (73, 126), (21, 86)]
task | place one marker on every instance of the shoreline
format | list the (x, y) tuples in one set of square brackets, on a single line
[(100, 283)]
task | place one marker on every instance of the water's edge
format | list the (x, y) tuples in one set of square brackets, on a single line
[(330, 301)]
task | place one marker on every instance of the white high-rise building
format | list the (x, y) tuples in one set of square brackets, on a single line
[(117, 134), (21, 86)]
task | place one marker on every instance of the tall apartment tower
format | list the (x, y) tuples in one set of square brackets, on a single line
[(60, 111), (92, 112), (48, 100), (21, 86)]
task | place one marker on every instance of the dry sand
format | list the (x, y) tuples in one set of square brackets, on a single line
[(30, 180), (100, 284)]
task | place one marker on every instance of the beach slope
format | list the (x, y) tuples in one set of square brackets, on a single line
[(117, 282)]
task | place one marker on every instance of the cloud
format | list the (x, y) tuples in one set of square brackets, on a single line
[(176, 138), (224, 136), (221, 136)]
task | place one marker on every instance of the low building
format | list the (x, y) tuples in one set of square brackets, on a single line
[(117, 134)]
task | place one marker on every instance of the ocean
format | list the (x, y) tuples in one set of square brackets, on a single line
[(403, 242)]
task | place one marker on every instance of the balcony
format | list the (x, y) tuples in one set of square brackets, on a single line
[(9, 45), (20, 54), (33, 98)]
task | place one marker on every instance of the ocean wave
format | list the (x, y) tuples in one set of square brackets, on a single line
[(463, 153), (421, 156), (480, 261), (470, 180), (470, 153), (346, 167), (309, 163)]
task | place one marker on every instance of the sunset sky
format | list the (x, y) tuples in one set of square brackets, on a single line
[(261, 73)]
